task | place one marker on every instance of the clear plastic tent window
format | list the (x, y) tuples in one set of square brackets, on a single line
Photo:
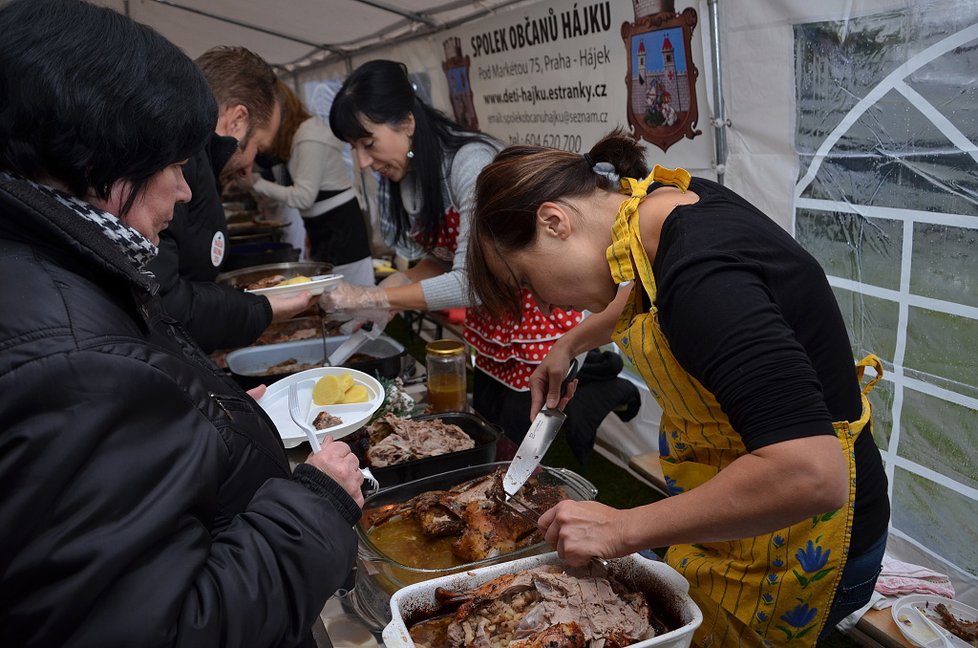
[(887, 201)]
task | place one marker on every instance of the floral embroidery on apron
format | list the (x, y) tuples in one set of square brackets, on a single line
[(772, 589)]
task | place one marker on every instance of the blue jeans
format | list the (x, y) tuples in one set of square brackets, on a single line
[(856, 587)]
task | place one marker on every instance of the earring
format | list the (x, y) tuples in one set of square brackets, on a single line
[(410, 154)]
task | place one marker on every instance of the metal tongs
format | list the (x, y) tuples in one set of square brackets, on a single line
[(322, 326), (531, 515), (369, 331)]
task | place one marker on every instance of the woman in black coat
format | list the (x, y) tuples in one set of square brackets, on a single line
[(147, 500)]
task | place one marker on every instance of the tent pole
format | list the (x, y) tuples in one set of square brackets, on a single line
[(422, 32), (719, 121), (410, 15)]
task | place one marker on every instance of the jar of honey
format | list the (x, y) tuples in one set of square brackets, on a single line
[(446, 376)]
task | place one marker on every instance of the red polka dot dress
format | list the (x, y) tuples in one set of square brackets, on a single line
[(506, 349)]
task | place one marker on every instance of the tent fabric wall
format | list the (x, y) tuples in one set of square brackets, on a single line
[(826, 178)]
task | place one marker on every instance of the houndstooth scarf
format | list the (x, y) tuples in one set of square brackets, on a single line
[(137, 247)]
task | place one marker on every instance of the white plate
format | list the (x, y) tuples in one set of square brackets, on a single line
[(917, 633), (317, 286), (354, 415)]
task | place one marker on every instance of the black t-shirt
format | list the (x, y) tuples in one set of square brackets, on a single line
[(750, 314)]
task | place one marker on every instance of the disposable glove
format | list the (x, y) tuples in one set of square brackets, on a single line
[(395, 280), (363, 303), (350, 299)]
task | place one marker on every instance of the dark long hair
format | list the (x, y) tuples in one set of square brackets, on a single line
[(511, 189), (89, 97), (382, 92)]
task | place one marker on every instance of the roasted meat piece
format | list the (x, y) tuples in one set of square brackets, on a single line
[(965, 630), (325, 419), (435, 518), (546, 607), (603, 607), (562, 635), (266, 282), (394, 440), (485, 527)]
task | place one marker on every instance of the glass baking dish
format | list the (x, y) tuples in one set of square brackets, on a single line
[(378, 575)]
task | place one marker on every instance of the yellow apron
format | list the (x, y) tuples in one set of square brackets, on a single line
[(772, 589)]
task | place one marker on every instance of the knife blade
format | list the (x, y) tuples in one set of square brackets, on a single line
[(362, 335), (538, 438)]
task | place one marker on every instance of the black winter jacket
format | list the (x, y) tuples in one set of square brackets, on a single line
[(217, 316), (146, 500)]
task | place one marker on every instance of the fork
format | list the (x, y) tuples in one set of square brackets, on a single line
[(530, 514), (299, 419)]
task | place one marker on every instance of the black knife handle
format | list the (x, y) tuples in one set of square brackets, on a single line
[(575, 366)]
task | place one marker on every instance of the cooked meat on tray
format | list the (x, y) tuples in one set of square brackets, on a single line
[(395, 440), (470, 512), (302, 328), (289, 366), (266, 282), (540, 607), (277, 280), (303, 333)]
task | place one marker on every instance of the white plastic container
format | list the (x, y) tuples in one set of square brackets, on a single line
[(250, 365), (666, 589)]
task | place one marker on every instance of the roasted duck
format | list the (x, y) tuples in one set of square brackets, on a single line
[(472, 511), (543, 607)]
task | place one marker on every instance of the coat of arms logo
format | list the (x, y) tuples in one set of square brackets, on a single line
[(456, 69), (661, 75)]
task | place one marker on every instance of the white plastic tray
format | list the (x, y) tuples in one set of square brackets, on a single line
[(907, 618), (317, 286), (354, 415), (670, 584)]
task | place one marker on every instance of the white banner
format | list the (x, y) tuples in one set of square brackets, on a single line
[(563, 75)]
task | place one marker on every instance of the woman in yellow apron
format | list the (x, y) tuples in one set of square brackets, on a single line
[(778, 511)]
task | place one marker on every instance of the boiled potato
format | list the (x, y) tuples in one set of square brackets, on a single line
[(327, 391), (346, 381), (356, 394), (295, 280)]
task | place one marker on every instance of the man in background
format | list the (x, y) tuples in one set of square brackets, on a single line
[(194, 246)]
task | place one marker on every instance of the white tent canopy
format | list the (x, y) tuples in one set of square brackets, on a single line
[(293, 35)]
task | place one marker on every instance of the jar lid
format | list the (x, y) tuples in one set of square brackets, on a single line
[(445, 347)]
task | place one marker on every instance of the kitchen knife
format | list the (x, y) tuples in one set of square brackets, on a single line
[(538, 438), (350, 346)]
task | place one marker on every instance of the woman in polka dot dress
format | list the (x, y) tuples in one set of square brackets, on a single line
[(424, 160)]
